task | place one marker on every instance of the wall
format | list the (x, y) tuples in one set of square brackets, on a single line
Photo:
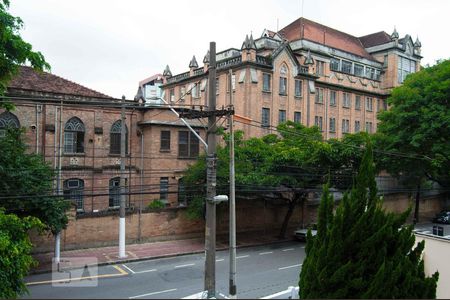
[(171, 223), (434, 255)]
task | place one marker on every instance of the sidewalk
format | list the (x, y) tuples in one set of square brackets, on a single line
[(135, 252)]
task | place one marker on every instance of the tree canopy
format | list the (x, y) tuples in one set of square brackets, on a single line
[(15, 51), (26, 185), (361, 251), (286, 166), (417, 126)]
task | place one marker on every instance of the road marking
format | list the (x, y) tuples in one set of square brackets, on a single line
[(288, 267), (288, 249), (76, 279), (154, 293), (302, 247), (221, 259), (146, 271), (182, 266), (128, 269), (243, 256), (120, 270), (224, 296), (264, 253), (285, 293)]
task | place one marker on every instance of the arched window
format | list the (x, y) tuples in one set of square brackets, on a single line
[(115, 133), (8, 120), (73, 190), (114, 191), (283, 80), (74, 136)]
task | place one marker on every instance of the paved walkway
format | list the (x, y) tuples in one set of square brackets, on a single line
[(109, 255)]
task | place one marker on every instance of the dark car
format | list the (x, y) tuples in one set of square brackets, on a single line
[(443, 217)]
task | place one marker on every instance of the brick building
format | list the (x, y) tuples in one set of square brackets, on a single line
[(306, 72)]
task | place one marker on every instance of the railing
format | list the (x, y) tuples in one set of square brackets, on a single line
[(199, 71), (303, 70), (228, 62), (263, 60), (178, 77)]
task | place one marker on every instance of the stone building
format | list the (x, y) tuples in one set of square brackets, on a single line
[(307, 73)]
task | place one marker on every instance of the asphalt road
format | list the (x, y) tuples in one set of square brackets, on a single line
[(261, 271)]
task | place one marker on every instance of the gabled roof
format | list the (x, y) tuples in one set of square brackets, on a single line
[(31, 80), (375, 39), (151, 78), (306, 29)]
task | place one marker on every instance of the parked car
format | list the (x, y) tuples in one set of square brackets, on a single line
[(443, 217), (301, 233)]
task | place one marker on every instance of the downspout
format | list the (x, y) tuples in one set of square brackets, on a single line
[(44, 121), (38, 111), (141, 184)]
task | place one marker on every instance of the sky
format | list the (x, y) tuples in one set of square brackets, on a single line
[(110, 45)]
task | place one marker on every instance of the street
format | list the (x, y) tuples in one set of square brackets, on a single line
[(261, 271)]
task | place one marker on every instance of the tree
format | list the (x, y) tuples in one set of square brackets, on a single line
[(15, 51), (361, 251), (279, 167), (417, 128), (26, 185), (15, 248)]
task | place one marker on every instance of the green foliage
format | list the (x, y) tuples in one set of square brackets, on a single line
[(15, 51), (361, 251), (27, 181), (156, 204), (195, 208), (417, 126), (15, 248)]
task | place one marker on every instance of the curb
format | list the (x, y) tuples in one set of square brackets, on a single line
[(113, 262)]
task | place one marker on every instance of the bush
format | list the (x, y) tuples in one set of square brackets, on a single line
[(195, 210), (156, 204)]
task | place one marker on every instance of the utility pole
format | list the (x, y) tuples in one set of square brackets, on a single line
[(122, 183), (232, 290), (210, 229)]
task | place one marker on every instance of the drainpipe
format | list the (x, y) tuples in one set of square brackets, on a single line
[(141, 183), (58, 185)]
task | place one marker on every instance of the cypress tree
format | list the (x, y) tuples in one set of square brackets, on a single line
[(362, 251)]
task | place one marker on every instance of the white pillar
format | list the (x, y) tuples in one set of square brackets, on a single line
[(122, 238)]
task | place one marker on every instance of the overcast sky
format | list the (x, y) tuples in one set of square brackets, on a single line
[(110, 45)]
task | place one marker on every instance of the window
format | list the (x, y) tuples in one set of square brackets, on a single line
[(281, 116), (357, 126), (172, 95), (182, 92), (297, 117), (283, 86), (345, 126), (8, 120), (334, 65), (114, 191), (405, 67), (369, 103), (73, 190), (165, 140), (359, 70), (188, 145), (369, 127), (74, 136), (265, 117), (357, 102), (318, 122), (347, 103), (182, 195), (346, 67), (332, 124), (333, 98), (164, 189), (298, 88), (195, 91), (320, 68), (266, 82), (115, 133), (319, 95), (373, 73), (233, 82)]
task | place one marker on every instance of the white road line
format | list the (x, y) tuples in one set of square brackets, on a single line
[(133, 272), (302, 246), (146, 271), (243, 256), (154, 293), (289, 249), (182, 266), (221, 259), (288, 267), (224, 296), (264, 253)]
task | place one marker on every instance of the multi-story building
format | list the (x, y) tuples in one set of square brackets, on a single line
[(307, 73)]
